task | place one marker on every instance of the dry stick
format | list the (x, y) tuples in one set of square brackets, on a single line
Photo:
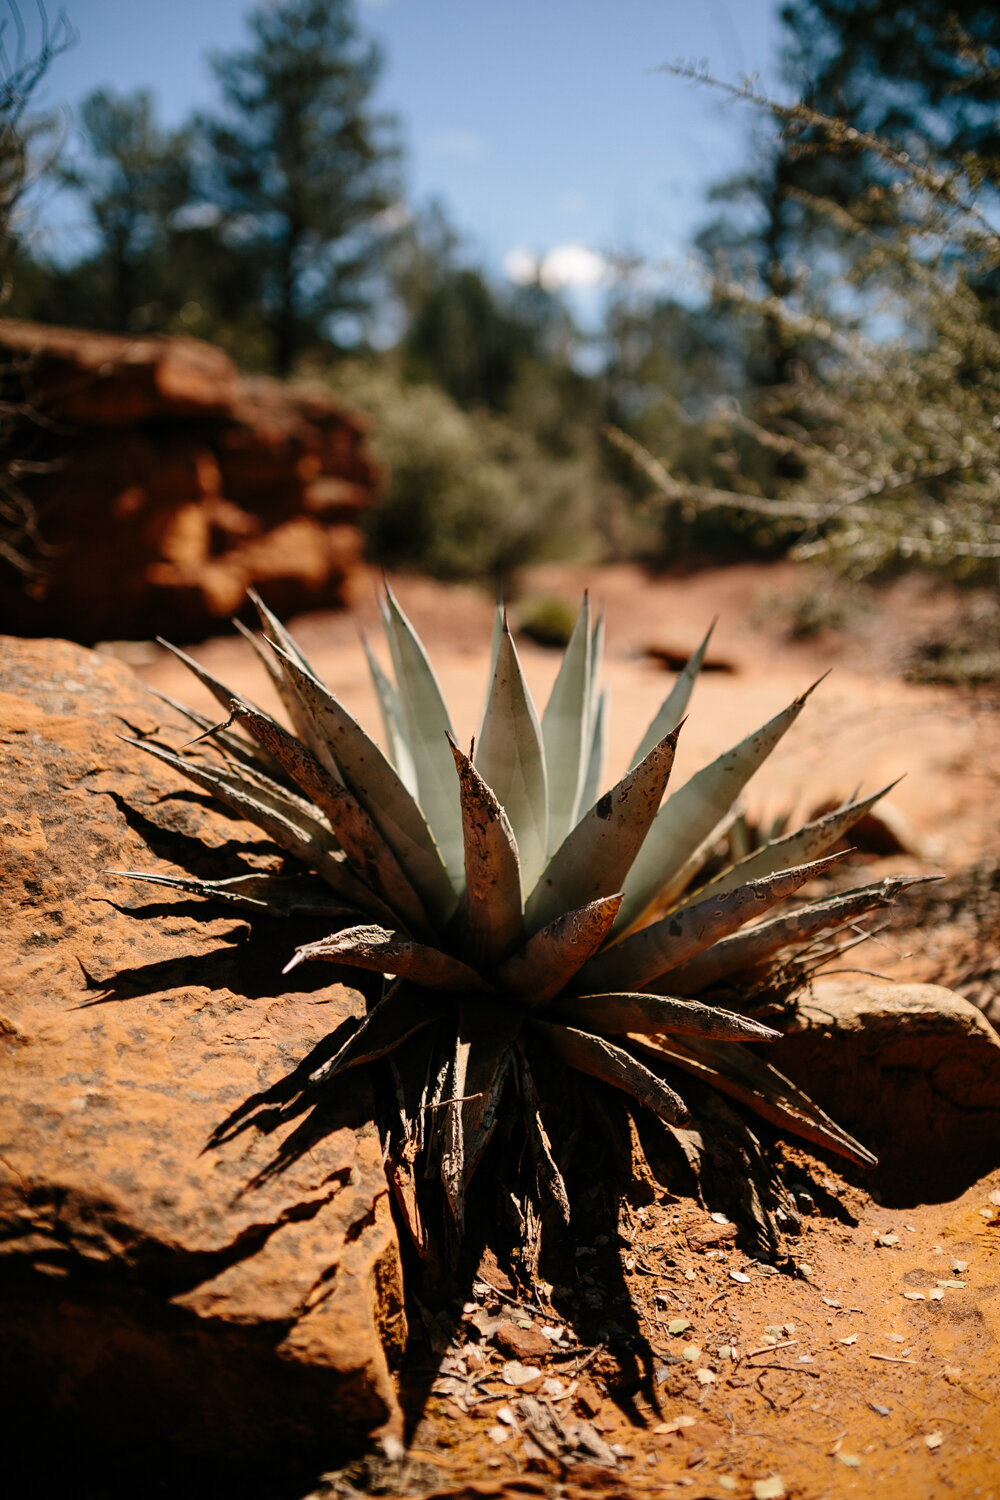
[(770, 1348), (892, 1359)]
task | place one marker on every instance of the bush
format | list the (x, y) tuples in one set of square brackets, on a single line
[(467, 494)]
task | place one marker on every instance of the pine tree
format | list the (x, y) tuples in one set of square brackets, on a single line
[(300, 168), (133, 178)]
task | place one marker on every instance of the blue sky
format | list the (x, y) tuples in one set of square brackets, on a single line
[(544, 125)]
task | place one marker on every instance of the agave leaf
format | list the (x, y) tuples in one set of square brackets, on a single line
[(695, 862), (596, 656), (692, 813), (298, 717), (401, 1176), (677, 937), (744, 950), (234, 746), (269, 895), (428, 724), (365, 849), (595, 858), (218, 690), (499, 626), (453, 1143), (283, 819), (551, 956), (744, 1076), (392, 719), (281, 797), (387, 952), (489, 915), (565, 728), (275, 631), (806, 843), (594, 777), (410, 1071), (403, 1010), (510, 758), (490, 1034), (611, 1064), (674, 705), (377, 786), (547, 1173), (247, 781), (619, 1014)]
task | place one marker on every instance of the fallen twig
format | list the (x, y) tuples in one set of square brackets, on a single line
[(770, 1348)]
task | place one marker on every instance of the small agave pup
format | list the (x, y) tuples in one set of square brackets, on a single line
[(516, 914)]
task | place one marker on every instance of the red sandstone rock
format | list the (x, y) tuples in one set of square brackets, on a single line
[(175, 484), (521, 1343), (913, 1070), (238, 1302)]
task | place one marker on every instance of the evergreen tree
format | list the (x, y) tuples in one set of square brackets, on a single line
[(133, 177), (21, 72), (300, 168), (924, 74)]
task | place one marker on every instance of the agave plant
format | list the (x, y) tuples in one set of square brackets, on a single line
[(516, 913)]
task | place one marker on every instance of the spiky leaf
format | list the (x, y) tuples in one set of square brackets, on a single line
[(735, 1071), (806, 843), (594, 859), (377, 786), (691, 814), (386, 952), (674, 706), (611, 1064), (677, 937), (594, 778), (263, 895), (489, 919), (510, 758), (565, 725), (393, 726), (403, 1010), (297, 714), (619, 1014), (551, 956), (233, 745), (428, 725), (745, 950), (283, 819), (365, 849)]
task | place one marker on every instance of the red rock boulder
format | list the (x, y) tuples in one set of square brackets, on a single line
[(157, 484), (198, 1267)]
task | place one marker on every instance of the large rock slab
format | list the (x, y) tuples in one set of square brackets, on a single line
[(233, 1300), (913, 1070)]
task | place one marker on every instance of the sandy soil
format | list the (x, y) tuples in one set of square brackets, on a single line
[(877, 1375), (875, 1370)]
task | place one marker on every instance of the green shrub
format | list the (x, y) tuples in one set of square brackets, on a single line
[(467, 494)]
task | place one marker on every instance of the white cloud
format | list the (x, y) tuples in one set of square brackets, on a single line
[(566, 267), (458, 143), (520, 266)]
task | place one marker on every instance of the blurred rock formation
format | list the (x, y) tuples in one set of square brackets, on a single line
[(162, 483)]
